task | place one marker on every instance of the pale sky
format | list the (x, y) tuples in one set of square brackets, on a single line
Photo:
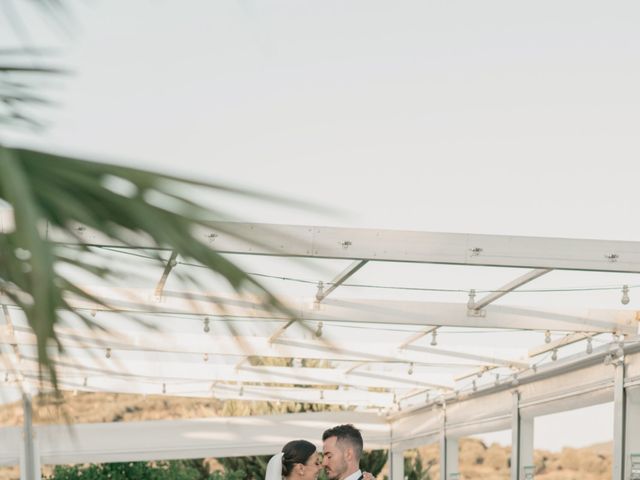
[(483, 117)]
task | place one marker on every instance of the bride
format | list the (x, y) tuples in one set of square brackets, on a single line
[(298, 460)]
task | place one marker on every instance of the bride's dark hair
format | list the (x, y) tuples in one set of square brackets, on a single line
[(296, 451)]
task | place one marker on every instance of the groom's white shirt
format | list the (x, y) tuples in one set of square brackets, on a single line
[(354, 476)]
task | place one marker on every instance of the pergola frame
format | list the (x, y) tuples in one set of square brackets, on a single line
[(610, 373)]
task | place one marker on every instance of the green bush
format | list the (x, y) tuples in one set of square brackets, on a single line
[(171, 470), (373, 461), (415, 470)]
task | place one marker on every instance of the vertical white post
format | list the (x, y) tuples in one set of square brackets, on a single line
[(619, 421), (29, 458), (515, 435), (526, 444), (448, 452), (452, 457), (396, 465), (521, 440), (632, 432)]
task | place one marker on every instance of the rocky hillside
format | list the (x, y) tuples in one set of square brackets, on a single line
[(477, 460)]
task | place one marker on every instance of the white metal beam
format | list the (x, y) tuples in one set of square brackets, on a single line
[(326, 396), (171, 263), (416, 336), (407, 246), (285, 347), (340, 279), (509, 287), (478, 372), (176, 439), (208, 372), (562, 342), (370, 311)]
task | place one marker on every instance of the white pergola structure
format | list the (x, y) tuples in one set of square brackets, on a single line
[(404, 366)]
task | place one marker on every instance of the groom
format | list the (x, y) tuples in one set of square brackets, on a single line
[(342, 449)]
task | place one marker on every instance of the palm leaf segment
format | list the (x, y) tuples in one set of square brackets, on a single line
[(56, 193)]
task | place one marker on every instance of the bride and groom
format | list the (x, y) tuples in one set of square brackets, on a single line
[(299, 460)]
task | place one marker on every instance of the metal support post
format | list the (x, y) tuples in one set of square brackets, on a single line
[(521, 441), (396, 465), (632, 435), (29, 458), (448, 452), (619, 422)]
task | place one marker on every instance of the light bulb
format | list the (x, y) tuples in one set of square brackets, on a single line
[(471, 303), (319, 330), (554, 355), (410, 371), (547, 336), (589, 346), (320, 292), (434, 340), (206, 327), (107, 353), (625, 295)]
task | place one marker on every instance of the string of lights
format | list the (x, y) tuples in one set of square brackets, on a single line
[(625, 288)]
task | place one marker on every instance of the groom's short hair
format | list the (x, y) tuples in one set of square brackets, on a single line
[(346, 434)]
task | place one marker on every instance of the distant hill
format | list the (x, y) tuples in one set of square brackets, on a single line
[(477, 460)]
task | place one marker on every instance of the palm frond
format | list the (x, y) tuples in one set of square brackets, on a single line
[(19, 92), (62, 193)]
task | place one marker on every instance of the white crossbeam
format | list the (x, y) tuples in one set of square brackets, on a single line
[(217, 437), (478, 372), (371, 311), (407, 246), (171, 263), (561, 342), (416, 336), (509, 287), (351, 396), (283, 347), (341, 278), (206, 371)]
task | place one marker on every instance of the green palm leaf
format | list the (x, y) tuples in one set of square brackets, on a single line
[(60, 193)]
